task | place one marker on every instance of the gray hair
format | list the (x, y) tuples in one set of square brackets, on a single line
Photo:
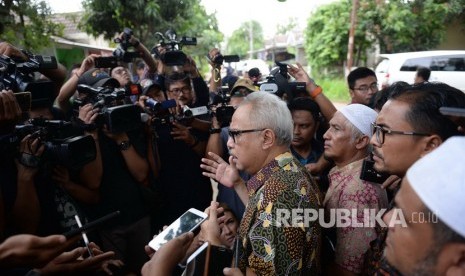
[(355, 133), (269, 111)]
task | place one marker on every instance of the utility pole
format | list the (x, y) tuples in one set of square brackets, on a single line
[(353, 24), (251, 39)]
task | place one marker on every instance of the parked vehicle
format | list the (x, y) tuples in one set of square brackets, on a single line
[(445, 66)]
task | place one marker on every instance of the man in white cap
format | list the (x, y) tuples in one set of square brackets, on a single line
[(346, 143), (431, 200)]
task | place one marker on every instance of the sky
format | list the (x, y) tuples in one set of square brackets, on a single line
[(231, 13)]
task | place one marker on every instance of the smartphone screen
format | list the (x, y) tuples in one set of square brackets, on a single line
[(189, 221)]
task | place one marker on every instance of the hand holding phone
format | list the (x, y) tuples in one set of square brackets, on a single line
[(187, 222)]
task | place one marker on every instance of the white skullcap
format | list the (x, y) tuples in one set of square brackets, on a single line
[(439, 180), (361, 116)]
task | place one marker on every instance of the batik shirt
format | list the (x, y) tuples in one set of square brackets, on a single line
[(271, 249), (348, 191)]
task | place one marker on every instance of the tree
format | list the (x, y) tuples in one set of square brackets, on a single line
[(327, 34), (284, 28), (403, 26), (146, 17), (394, 25), (239, 42), (27, 24)]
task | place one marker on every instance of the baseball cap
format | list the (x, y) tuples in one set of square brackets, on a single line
[(246, 83), (97, 78)]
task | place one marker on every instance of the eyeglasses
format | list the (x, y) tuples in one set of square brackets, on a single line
[(184, 90), (380, 132), (364, 88), (234, 133)]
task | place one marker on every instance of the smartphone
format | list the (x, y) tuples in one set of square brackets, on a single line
[(187, 222), (369, 173), (91, 225), (105, 62), (209, 260)]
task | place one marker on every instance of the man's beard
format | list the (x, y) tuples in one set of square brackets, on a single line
[(427, 265), (421, 268)]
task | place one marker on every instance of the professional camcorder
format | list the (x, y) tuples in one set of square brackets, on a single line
[(124, 52), (18, 76), (62, 145), (169, 50), (117, 116), (223, 110), (278, 83), (220, 59)]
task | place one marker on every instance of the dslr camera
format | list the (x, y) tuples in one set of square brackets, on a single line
[(117, 116), (121, 53), (62, 145), (169, 50)]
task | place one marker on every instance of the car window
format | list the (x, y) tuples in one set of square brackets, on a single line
[(448, 63), (412, 64)]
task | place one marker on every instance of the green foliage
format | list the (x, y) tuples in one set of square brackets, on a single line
[(327, 34), (291, 25), (239, 42), (146, 17), (396, 25), (409, 26), (335, 89), (27, 24)]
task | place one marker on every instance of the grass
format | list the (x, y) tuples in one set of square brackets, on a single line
[(335, 89)]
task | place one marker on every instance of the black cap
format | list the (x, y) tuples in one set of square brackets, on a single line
[(98, 78)]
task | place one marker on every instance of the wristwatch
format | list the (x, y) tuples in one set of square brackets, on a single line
[(124, 145)]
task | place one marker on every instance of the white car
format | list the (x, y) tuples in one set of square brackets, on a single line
[(445, 66)]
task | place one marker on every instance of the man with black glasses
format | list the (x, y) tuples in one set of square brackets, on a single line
[(408, 127), (259, 138), (363, 85)]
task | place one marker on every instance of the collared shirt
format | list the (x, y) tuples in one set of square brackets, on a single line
[(348, 191), (317, 151), (267, 247)]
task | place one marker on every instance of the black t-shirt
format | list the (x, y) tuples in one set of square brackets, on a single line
[(118, 189), (181, 182)]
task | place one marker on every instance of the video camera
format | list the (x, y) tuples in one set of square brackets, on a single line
[(62, 145), (18, 76), (172, 54), (121, 53), (278, 84), (220, 59), (117, 118), (224, 111)]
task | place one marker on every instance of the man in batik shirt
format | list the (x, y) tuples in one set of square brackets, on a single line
[(346, 143), (260, 135)]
